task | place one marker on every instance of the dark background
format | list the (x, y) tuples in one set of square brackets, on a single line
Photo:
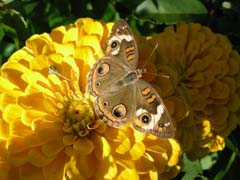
[(19, 19)]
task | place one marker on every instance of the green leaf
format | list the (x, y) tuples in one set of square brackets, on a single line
[(111, 14), (192, 169), (221, 173), (7, 1), (1, 32), (192, 166), (15, 25), (165, 11), (11, 32), (6, 49), (208, 161), (231, 146)]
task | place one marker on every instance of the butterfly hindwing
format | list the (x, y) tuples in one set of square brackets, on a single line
[(151, 115), (116, 108)]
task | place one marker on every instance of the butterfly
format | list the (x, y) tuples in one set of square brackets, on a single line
[(120, 95)]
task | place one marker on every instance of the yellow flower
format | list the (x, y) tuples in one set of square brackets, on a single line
[(202, 88), (48, 129)]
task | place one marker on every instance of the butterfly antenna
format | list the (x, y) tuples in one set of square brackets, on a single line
[(154, 49), (161, 75), (53, 70)]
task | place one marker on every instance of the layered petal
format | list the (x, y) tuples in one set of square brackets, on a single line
[(48, 128), (203, 73)]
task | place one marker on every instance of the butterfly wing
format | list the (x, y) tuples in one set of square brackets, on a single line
[(118, 107), (114, 100), (121, 44), (121, 58), (151, 115), (105, 75)]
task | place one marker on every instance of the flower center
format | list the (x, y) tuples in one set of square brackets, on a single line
[(78, 115)]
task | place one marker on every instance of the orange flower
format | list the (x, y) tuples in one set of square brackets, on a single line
[(203, 93)]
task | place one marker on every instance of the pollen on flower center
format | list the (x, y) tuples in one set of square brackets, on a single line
[(77, 114)]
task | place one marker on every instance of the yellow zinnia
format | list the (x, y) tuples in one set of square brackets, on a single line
[(203, 88), (48, 129)]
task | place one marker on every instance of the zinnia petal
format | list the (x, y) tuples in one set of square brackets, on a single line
[(48, 129), (203, 85)]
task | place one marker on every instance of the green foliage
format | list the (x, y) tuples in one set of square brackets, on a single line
[(165, 11), (192, 169), (223, 165), (19, 19)]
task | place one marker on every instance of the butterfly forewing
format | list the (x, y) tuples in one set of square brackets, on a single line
[(121, 44), (105, 74)]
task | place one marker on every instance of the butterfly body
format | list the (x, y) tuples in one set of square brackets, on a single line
[(130, 78), (120, 93)]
